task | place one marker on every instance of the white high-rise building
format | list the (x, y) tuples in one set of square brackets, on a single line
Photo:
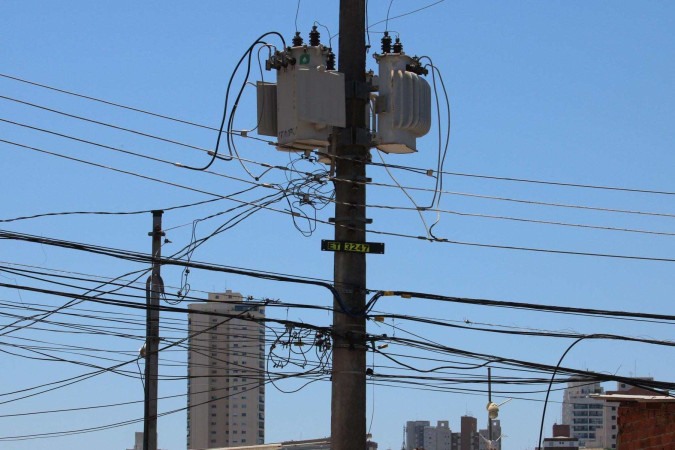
[(420, 434), (226, 357), (438, 437), (587, 417)]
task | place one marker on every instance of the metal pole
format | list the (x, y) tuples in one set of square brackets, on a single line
[(153, 289), (348, 405), (489, 401)]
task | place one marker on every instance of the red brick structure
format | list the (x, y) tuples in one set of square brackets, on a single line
[(561, 430), (645, 422), (646, 426)]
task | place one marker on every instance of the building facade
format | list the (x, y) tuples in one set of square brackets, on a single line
[(469, 437), (226, 356), (414, 433), (438, 437), (592, 420), (496, 442), (421, 435), (587, 417)]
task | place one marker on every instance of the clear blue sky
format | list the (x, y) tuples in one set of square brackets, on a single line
[(576, 92)]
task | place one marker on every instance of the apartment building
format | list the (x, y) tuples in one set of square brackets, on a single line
[(226, 355)]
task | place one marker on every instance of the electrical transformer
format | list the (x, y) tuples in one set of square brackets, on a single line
[(308, 99), (403, 105)]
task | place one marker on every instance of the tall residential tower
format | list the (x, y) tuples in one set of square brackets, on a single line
[(226, 371)]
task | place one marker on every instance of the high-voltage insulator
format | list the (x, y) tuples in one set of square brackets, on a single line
[(314, 37), (330, 60), (416, 67), (297, 39), (398, 47), (386, 43)]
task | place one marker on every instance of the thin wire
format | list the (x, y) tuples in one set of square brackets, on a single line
[(534, 181), (525, 249), (105, 124), (114, 213), (400, 167), (412, 200), (367, 30), (548, 391), (407, 13), (386, 26), (417, 208), (297, 11), (107, 102), (227, 96), (372, 388)]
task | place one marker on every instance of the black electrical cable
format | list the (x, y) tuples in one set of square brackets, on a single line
[(227, 96), (519, 305), (140, 257)]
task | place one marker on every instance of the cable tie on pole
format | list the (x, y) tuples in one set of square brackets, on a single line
[(405, 295)]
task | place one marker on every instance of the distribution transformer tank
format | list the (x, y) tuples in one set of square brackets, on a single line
[(403, 105), (305, 104)]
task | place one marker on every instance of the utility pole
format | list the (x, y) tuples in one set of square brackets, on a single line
[(489, 403), (348, 405), (152, 293)]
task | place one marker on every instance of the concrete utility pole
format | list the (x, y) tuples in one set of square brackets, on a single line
[(153, 289), (348, 405)]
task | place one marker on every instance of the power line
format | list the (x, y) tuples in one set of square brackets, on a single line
[(522, 248), (422, 171), (417, 170), (419, 210), (522, 305)]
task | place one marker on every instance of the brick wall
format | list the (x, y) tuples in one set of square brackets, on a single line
[(646, 426)]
